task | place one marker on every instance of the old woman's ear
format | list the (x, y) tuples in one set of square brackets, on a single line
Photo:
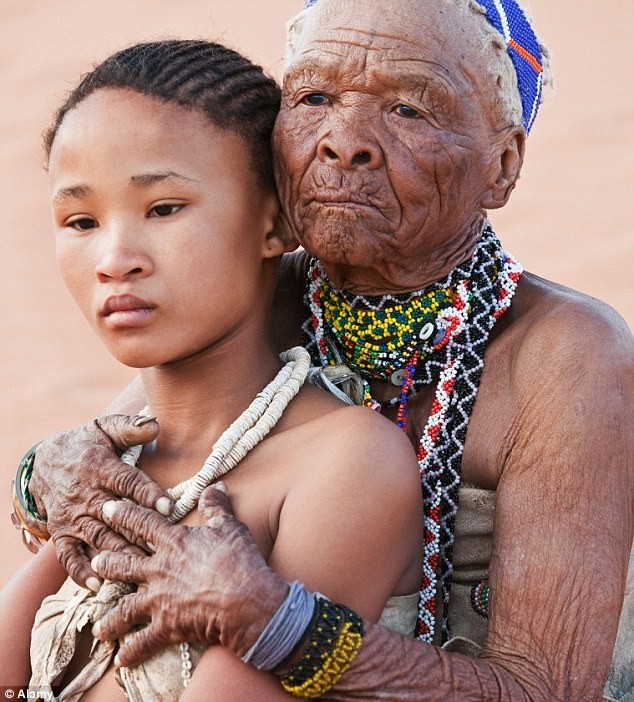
[(505, 168)]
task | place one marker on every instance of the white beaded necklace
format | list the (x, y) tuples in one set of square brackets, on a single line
[(246, 432), (483, 287)]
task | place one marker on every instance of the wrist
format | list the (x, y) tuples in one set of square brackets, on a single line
[(309, 642), (327, 650), (26, 516), (285, 631), (257, 607)]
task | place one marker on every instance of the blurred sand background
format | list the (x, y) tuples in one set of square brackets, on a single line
[(567, 221)]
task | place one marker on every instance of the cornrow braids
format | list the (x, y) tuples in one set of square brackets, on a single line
[(232, 92)]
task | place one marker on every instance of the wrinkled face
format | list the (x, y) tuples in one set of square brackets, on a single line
[(387, 138), (160, 226)]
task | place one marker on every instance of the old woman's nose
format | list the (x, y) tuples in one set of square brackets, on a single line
[(350, 151)]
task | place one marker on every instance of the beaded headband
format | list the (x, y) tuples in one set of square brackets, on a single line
[(522, 46)]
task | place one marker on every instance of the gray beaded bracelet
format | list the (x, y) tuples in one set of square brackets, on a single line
[(284, 631)]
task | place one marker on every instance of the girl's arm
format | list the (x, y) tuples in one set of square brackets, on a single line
[(19, 601), (350, 528), (222, 677)]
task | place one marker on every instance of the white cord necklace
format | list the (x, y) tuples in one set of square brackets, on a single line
[(245, 433)]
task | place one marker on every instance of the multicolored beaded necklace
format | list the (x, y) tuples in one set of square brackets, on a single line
[(375, 339), (434, 335)]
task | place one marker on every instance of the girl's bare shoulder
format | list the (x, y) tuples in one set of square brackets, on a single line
[(357, 439)]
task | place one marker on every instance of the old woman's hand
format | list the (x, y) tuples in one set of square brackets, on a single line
[(208, 584), (75, 472)]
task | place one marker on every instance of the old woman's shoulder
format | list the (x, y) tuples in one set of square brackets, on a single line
[(554, 328), (556, 312)]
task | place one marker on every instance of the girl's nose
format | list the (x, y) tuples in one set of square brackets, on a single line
[(121, 259)]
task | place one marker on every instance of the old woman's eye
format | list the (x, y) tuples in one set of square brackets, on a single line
[(315, 99), (407, 111)]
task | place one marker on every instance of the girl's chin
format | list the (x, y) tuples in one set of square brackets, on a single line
[(151, 352), (139, 359), (148, 359)]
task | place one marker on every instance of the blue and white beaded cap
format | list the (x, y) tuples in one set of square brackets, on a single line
[(522, 46)]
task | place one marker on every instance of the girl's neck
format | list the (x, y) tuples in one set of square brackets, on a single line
[(197, 398)]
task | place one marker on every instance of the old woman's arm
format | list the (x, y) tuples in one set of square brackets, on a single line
[(562, 539), (563, 531)]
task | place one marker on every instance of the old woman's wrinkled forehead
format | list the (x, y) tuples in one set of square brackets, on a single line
[(495, 34)]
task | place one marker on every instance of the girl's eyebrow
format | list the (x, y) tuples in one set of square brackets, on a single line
[(74, 192), (142, 181), (147, 180)]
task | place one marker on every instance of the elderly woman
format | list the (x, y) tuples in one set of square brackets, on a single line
[(401, 125)]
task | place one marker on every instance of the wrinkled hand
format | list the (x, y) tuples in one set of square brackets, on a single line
[(208, 583), (75, 472)]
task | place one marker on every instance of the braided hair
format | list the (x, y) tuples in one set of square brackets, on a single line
[(232, 92)]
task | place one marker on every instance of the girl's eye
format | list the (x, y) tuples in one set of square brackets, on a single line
[(82, 224), (315, 99), (407, 111), (164, 210)]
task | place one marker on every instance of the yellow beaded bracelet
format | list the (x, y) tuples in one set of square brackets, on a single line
[(334, 665)]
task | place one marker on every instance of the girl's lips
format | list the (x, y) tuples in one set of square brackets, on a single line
[(126, 310), (128, 318)]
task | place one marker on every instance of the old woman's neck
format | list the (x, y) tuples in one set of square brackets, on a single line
[(426, 263)]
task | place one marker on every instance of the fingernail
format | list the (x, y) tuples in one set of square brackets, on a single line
[(93, 583), (143, 420), (151, 546), (117, 661), (96, 630), (164, 506), (221, 487), (109, 508), (94, 564)]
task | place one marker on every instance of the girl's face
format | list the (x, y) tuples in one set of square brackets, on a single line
[(163, 232)]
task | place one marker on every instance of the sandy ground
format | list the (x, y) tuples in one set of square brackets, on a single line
[(567, 220)]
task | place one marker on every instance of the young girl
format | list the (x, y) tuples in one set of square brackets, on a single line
[(167, 232)]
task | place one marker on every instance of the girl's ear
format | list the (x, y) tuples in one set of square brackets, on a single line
[(280, 239)]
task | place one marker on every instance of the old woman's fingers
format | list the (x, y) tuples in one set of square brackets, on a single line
[(71, 551), (98, 535), (134, 484), (214, 502), (124, 480), (141, 646), (127, 517), (72, 556), (126, 567), (133, 609), (125, 431)]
